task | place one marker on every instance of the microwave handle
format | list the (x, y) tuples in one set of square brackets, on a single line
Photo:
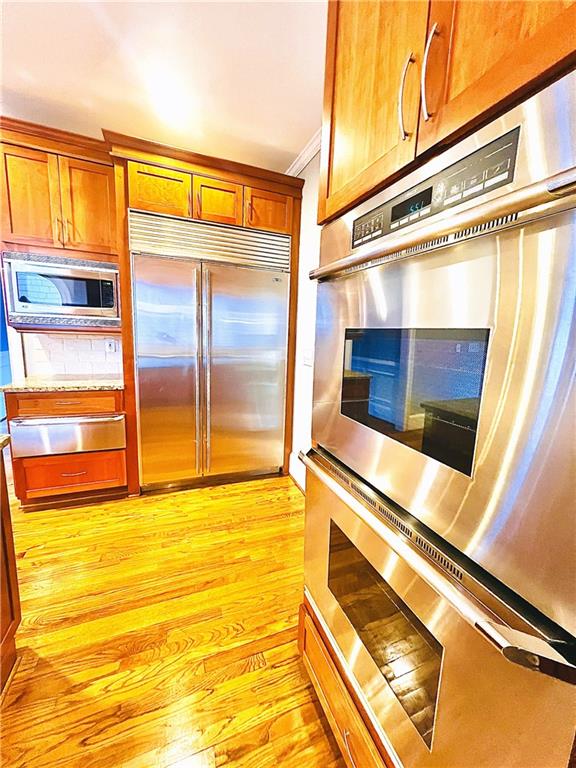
[(552, 658)]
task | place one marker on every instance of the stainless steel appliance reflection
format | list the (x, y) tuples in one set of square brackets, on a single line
[(474, 438), (440, 503), (59, 291), (211, 335), (441, 677)]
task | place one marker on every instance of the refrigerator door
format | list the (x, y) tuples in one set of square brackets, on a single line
[(167, 322), (245, 336)]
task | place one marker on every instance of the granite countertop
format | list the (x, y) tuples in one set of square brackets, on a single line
[(63, 384), (4, 440)]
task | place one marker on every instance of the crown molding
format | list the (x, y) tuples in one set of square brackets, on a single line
[(306, 155)]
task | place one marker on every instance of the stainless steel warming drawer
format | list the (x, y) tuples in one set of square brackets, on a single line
[(72, 434)]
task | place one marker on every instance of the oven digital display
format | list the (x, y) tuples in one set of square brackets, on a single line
[(414, 204), (419, 386)]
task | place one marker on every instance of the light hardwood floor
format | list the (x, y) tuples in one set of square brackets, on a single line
[(161, 631)]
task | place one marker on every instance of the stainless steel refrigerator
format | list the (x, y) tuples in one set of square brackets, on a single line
[(211, 342)]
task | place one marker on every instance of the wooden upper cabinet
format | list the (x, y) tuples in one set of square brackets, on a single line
[(371, 100), (267, 210), (162, 190), (30, 197), (483, 53), (216, 200), (88, 211)]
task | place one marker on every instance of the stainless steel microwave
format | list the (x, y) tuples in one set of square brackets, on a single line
[(55, 291)]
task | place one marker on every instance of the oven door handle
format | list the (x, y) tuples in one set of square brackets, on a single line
[(549, 657)]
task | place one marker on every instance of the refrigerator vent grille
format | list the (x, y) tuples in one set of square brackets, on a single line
[(173, 236)]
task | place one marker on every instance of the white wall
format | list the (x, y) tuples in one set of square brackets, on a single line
[(305, 320)]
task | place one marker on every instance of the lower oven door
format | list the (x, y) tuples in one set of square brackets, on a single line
[(438, 693)]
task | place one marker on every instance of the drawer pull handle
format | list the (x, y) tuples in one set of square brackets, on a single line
[(66, 402), (73, 474), (346, 737)]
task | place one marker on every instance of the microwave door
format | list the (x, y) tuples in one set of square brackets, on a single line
[(41, 289)]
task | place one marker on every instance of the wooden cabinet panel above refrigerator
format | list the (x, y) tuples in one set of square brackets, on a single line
[(403, 77)]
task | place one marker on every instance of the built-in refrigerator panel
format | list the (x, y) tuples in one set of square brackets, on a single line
[(245, 320), (167, 323)]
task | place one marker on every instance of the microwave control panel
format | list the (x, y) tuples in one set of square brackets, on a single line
[(486, 169)]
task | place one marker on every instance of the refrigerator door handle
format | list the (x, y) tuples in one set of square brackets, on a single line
[(197, 371), (207, 355)]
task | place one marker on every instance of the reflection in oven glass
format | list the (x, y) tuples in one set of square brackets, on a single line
[(419, 386), (406, 653)]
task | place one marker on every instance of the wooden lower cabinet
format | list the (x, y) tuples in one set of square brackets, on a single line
[(352, 735), (41, 477), (19, 404), (9, 595)]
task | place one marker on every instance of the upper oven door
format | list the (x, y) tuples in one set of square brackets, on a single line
[(40, 289), (445, 380), (438, 693)]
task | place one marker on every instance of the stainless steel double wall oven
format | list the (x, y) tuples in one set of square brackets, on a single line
[(441, 526)]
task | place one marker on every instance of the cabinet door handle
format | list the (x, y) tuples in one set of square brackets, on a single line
[(73, 474), (410, 60), (250, 212), (199, 203), (434, 31), (66, 222), (346, 737)]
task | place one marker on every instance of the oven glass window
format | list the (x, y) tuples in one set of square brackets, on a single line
[(421, 387), (406, 653), (56, 291)]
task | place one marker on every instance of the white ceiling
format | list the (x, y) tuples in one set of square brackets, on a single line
[(240, 80)]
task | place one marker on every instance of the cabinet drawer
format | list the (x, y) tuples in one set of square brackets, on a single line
[(63, 403), (352, 736), (72, 473)]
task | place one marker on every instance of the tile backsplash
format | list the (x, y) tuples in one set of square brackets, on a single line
[(56, 354)]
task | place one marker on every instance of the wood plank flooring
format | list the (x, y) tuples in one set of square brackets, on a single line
[(160, 632)]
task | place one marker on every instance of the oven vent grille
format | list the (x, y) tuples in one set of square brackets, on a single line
[(391, 517), (492, 224), (422, 544), (380, 508), (425, 246), (341, 475), (438, 557)]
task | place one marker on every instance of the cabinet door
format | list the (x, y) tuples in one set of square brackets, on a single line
[(267, 210), (30, 197), (371, 101), (88, 212), (161, 190), (216, 200), (481, 54), (9, 595)]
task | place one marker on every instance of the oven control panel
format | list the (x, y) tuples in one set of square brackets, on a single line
[(486, 169)]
